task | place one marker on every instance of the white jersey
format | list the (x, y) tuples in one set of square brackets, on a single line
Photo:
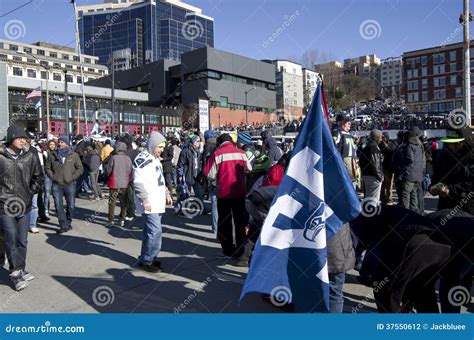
[(149, 183)]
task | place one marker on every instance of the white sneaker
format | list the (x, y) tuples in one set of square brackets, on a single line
[(27, 276), (34, 230)]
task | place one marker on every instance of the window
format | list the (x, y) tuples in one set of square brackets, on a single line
[(412, 85), (3, 57), (31, 61), (79, 79), (453, 80), (66, 56), (17, 59), (31, 73), (57, 65), (17, 71), (439, 82), (224, 101), (412, 97), (26, 49), (44, 75), (75, 58), (44, 63), (424, 83), (87, 60), (439, 94), (69, 78), (13, 47), (91, 70), (53, 54), (458, 92), (424, 71), (438, 58), (452, 67), (424, 60), (452, 56), (40, 52), (424, 96), (213, 74), (57, 76), (438, 69), (69, 67)]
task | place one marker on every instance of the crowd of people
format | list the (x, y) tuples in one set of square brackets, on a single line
[(239, 178)]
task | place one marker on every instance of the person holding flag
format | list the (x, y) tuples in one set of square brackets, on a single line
[(314, 199)]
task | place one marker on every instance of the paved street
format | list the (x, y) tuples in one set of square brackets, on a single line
[(91, 269)]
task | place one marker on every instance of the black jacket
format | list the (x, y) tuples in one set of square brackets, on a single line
[(186, 167), (387, 151), (413, 161), (371, 160), (167, 158), (20, 179), (341, 254)]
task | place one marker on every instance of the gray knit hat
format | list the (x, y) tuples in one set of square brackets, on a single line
[(155, 139)]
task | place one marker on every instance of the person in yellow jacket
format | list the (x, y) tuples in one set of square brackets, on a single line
[(106, 150)]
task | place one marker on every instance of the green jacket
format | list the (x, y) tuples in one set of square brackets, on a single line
[(66, 173)]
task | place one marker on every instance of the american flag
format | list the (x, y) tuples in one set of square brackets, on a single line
[(35, 93)]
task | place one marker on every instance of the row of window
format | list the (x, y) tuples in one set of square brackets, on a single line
[(437, 58), (51, 54), (224, 102), (17, 71), (438, 69), (229, 77), (437, 94), (437, 82)]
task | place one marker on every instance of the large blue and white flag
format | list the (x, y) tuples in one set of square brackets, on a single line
[(315, 197)]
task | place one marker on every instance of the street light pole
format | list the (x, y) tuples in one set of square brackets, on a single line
[(246, 106), (112, 106), (66, 103)]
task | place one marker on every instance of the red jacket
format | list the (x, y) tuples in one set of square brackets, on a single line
[(227, 167)]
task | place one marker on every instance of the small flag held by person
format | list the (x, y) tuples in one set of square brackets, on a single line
[(315, 197), (35, 93), (38, 105)]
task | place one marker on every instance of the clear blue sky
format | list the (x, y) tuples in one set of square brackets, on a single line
[(244, 26)]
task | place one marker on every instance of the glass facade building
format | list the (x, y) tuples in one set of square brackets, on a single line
[(144, 31)]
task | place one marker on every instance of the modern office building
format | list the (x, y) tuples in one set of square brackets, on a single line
[(24, 67), (391, 77), (239, 89), (143, 31), (433, 78), (289, 89), (310, 80)]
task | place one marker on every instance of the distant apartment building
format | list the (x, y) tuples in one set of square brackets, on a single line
[(310, 81), (391, 77), (433, 78), (289, 89), (143, 31)]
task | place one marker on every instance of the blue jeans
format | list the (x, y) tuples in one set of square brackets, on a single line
[(15, 235), (48, 185), (69, 192), (151, 243), (214, 213), (33, 214), (336, 296), (83, 182)]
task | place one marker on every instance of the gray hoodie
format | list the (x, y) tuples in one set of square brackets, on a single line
[(119, 167)]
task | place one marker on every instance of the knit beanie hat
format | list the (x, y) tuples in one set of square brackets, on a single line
[(15, 131), (64, 139), (194, 139), (155, 139), (244, 138)]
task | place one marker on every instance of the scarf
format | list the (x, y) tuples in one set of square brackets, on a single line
[(62, 153)]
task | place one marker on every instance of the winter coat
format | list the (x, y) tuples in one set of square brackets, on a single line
[(106, 151), (209, 147), (227, 167), (387, 151), (64, 173), (167, 159), (258, 203), (119, 167), (371, 160), (81, 148), (341, 254), (189, 164), (21, 178), (271, 149), (413, 160), (92, 161)]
